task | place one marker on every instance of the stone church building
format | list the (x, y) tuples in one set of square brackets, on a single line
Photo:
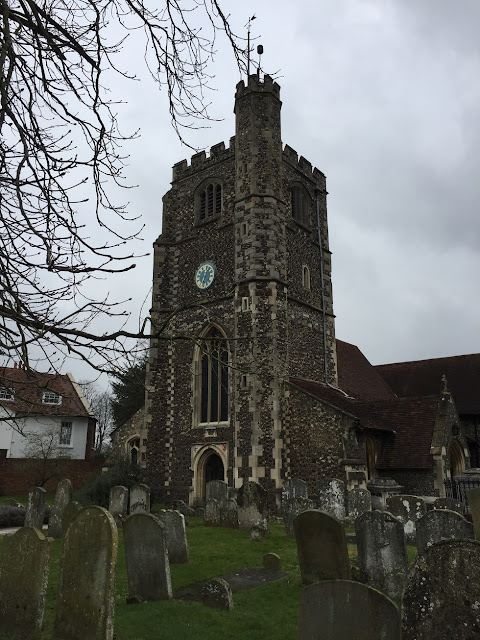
[(249, 381)]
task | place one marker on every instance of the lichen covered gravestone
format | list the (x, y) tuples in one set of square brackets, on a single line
[(449, 503), (291, 509), (331, 498), (176, 536), (358, 501), (473, 498), (217, 593), (292, 489), (345, 610), (212, 516), (382, 552), (408, 509), (252, 507), (148, 567), (229, 514), (35, 512), (24, 565), (63, 495), (442, 596), (86, 592), (216, 490), (321, 546), (139, 499), (118, 503), (442, 524)]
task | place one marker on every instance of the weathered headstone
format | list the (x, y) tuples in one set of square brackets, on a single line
[(70, 512), (321, 546), (345, 610), (382, 552), (35, 512), (449, 503), (148, 566), (358, 501), (24, 565), (442, 524), (86, 593), (174, 523), (442, 595), (473, 498), (118, 503), (217, 593), (291, 509), (408, 509), (257, 534), (216, 490), (63, 495), (180, 505), (229, 514), (331, 498), (252, 507), (212, 516), (292, 489), (139, 499), (272, 562)]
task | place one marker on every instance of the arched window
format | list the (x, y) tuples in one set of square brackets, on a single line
[(209, 201), (300, 205), (457, 459), (133, 447), (213, 397), (306, 277)]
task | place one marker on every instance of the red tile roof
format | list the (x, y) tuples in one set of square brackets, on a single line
[(358, 377), (29, 387), (424, 377)]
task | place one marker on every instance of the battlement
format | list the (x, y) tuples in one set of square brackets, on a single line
[(200, 160), (304, 166), (255, 84)]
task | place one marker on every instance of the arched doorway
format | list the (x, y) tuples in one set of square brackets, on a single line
[(214, 468), (457, 459), (208, 463)]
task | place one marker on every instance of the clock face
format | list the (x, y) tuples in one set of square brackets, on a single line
[(205, 275)]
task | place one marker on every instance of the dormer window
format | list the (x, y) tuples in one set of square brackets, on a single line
[(7, 394), (300, 205), (50, 397), (209, 201)]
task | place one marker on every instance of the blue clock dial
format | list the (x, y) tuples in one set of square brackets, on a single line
[(205, 275)]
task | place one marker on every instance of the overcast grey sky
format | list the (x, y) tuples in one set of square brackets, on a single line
[(384, 97)]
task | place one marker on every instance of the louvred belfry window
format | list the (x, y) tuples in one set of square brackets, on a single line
[(209, 201), (214, 378)]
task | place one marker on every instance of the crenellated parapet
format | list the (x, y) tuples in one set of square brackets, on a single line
[(201, 160), (304, 166), (256, 85)]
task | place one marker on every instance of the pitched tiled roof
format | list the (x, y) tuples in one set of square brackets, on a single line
[(358, 377), (29, 387), (424, 377)]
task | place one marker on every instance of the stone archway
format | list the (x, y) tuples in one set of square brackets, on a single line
[(457, 459), (209, 463)]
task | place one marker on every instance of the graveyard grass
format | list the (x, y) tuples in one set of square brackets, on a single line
[(259, 613)]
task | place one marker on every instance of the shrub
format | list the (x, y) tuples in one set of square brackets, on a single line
[(12, 516), (97, 488)]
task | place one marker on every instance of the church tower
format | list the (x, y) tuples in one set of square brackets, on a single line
[(241, 305)]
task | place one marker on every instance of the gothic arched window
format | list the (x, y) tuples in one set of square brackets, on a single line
[(305, 277), (213, 387), (133, 447), (300, 205), (209, 201)]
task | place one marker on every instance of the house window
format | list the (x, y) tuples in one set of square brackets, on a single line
[(209, 201), (300, 207), (50, 397), (7, 394), (213, 396), (306, 277), (66, 434)]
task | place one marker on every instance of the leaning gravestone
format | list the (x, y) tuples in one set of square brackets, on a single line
[(449, 503), (212, 516), (345, 610), (358, 501), (442, 596), (175, 534), (139, 499), (229, 514), (252, 507), (473, 498), (24, 565), (382, 552), (35, 512), (292, 489), (408, 509), (331, 498), (70, 512), (216, 490), (63, 496), (291, 509), (148, 566), (441, 524), (118, 503), (321, 546), (86, 593)]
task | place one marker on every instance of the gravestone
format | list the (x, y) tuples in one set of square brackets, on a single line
[(146, 554), (70, 512), (442, 595), (174, 523), (291, 510), (180, 505), (408, 509), (382, 552), (24, 565), (229, 514), (358, 501), (216, 490), (86, 591), (321, 547), (252, 507), (345, 610), (257, 534), (63, 496), (331, 498), (272, 562), (442, 524), (139, 499), (118, 503), (449, 503), (293, 489), (212, 516), (473, 499), (217, 593), (35, 512)]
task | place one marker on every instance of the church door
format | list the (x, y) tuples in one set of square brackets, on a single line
[(214, 468)]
